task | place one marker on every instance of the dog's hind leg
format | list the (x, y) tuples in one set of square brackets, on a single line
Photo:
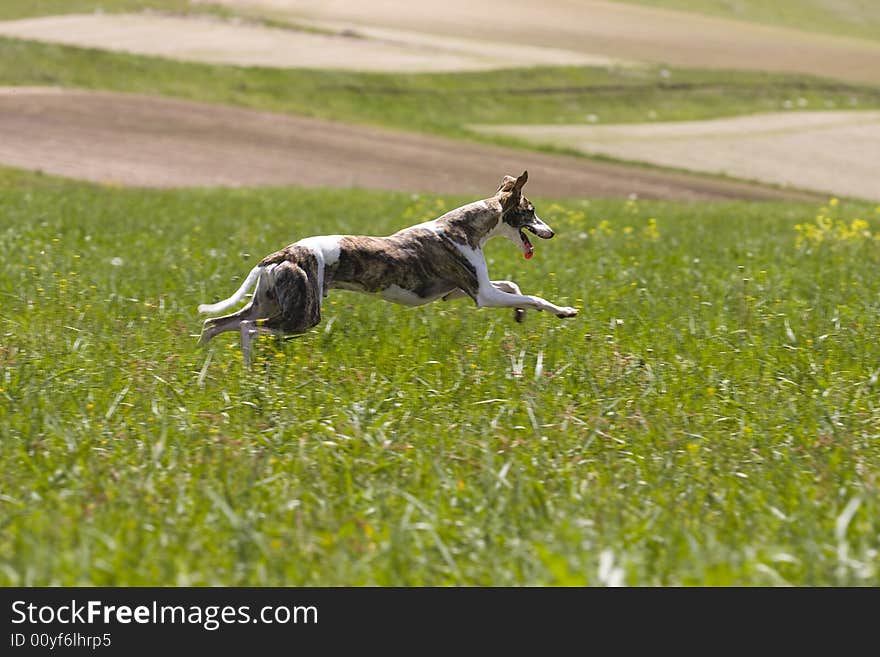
[(249, 332), (217, 325), (261, 306), (298, 298)]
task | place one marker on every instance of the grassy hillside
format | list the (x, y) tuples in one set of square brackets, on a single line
[(853, 18), (438, 103), (14, 9), (710, 418)]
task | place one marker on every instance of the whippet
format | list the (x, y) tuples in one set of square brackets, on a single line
[(442, 258)]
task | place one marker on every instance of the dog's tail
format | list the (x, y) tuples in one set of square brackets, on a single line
[(220, 306)]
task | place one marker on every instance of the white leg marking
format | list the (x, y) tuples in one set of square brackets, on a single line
[(519, 314), (248, 333), (507, 286), (495, 298), (490, 296)]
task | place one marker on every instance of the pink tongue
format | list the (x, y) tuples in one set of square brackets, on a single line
[(528, 249)]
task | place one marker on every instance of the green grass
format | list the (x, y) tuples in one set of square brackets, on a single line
[(852, 18), (710, 418), (438, 103), (16, 9)]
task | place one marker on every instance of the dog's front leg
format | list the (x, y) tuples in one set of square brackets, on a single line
[(493, 297), (519, 314)]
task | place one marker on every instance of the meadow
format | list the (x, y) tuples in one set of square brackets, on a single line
[(442, 104), (18, 9), (710, 418)]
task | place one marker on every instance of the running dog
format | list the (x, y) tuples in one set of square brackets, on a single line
[(442, 258)]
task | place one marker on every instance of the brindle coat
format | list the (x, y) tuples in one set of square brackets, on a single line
[(441, 258), (414, 259)]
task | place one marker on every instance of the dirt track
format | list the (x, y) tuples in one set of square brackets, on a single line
[(206, 39), (425, 35), (613, 29), (157, 142), (833, 152)]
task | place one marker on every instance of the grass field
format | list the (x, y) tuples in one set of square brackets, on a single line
[(711, 417), (15, 9), (440, 103)]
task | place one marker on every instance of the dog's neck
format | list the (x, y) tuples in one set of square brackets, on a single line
[(473, 224)]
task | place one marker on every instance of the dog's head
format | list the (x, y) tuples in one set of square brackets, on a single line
[(518, 215)]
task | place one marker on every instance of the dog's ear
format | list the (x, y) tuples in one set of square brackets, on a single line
[(522, 180), (507, 183)]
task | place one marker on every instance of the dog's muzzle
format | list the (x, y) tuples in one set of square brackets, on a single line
[(536, 227), (539, 228)]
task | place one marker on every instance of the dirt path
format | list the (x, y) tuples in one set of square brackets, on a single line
[(158, 142), (207, 39), (832, 152), (613, 29)]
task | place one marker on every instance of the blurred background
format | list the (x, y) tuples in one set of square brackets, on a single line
[(672, 99)]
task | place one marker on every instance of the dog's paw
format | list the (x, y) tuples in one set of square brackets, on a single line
[(567, 312)]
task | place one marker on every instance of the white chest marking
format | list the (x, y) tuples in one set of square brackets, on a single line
[(503, 230), (478, 261)]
